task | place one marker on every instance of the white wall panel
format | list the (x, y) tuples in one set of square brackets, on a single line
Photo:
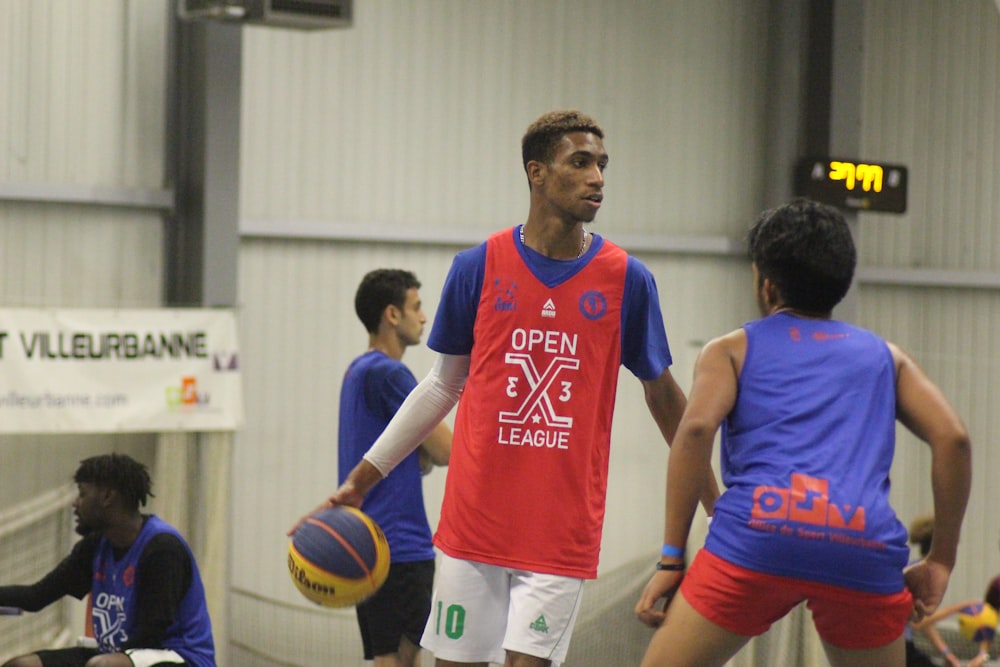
[(949, 332), (413, 116), (932, 103), (82, 99), (79, 256)]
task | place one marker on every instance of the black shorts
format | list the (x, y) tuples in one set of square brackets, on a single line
[(76, 656), (398, 609)]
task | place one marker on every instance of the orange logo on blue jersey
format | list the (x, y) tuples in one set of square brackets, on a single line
[(807, 501)]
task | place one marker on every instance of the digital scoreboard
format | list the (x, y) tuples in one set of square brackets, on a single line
[(854, 185)]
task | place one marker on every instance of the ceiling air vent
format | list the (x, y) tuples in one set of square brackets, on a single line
[(299, 14)]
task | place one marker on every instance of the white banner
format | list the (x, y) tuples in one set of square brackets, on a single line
[(102, 371)]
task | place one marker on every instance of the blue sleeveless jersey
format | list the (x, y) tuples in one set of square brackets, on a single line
[(806, 453), (374, 387), (114, 601)]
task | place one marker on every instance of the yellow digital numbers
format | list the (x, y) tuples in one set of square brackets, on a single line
[(870, 175), (851, 184)]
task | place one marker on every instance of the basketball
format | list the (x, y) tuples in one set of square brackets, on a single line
[(338, 557), (978, 622)]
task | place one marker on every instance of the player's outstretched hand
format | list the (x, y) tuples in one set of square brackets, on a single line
[(927, 581), (663, 585)]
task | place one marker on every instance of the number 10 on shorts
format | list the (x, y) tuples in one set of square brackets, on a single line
[(453, 619)]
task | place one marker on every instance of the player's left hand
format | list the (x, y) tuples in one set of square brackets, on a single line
[(663, 585), (927, 581)]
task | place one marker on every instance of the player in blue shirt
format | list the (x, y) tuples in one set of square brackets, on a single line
[(807, 406), (148, 605), (375, 384)]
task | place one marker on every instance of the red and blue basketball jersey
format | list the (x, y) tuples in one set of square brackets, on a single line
[(806, 453), (529, 465)]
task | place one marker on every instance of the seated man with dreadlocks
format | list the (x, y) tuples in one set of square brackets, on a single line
[(147, 600)]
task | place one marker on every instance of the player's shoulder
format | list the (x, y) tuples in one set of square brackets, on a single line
[(165, 546), (383, 364), (471, 256), (900, 357), (167, 540), (732, 345), (164, 535)]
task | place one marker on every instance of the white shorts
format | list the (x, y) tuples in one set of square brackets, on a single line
[(480, 611), (146, 657)]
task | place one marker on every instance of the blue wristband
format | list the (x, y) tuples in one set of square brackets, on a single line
[(672, 551)]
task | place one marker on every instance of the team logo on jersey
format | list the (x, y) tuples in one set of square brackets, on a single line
[(593, 305), (806, 501), (506, 295), (537, 399), (549, 309), (108, 617), (541, 391)]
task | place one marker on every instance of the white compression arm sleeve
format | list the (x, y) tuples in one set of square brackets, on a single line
[(429, 402)]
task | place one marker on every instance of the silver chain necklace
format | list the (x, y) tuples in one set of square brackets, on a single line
[(583, 242)]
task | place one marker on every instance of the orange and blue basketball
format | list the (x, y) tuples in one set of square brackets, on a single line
[(978, 622), (338, 557)]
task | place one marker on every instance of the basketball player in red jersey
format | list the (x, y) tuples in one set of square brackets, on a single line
[(531, 331)]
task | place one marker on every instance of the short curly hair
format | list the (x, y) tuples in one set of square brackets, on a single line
[(542, 136), (119, 472), (807, 250)]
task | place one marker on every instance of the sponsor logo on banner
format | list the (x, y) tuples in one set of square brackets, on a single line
[(186, 396)]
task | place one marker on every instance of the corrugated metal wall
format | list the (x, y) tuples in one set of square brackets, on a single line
[(932, 102), (81, 110), (412, 118)]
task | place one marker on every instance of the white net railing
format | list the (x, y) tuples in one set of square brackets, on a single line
[(34, 536)]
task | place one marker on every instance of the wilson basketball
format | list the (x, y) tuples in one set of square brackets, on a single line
[(338, 557), (978, 622)]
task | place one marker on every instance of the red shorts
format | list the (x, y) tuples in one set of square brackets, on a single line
[(747, 603)]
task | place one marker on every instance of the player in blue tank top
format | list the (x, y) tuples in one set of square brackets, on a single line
[(807, 406), (376, 383), (147, 601)]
